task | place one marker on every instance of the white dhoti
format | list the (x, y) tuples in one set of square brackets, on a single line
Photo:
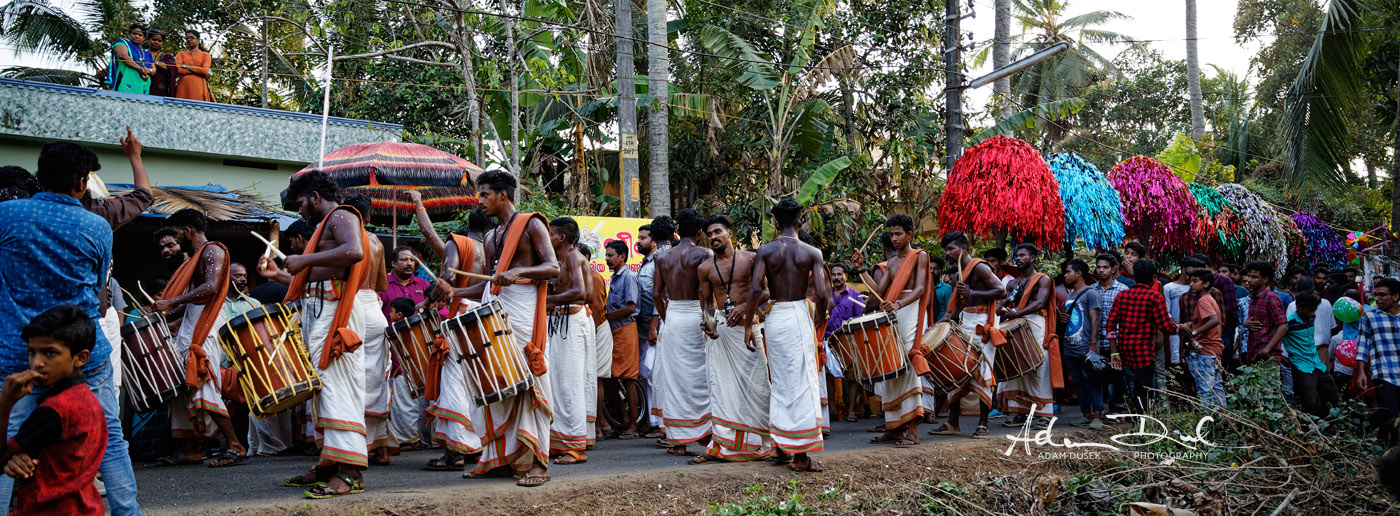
[(646, 368), (794, 409), (339, 408), (1032, 388), (739, 392), (683, 384), (983, 385), (571, 373), (190, 412), (515, 430), (603, 349), (406, 413), (272, 435), (112, 329), (376, 351), (901, 397), (454, 413)]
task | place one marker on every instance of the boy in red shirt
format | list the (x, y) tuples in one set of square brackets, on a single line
[(55, 455)]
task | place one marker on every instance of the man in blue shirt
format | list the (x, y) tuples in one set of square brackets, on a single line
[(55, 252), (942, 291), (621, 311)]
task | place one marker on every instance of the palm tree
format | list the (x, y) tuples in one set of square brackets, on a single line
[(1193, 74), (1044, 23), (658, 64), (38, 27)]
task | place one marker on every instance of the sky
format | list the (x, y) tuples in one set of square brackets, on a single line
[(1163, 20)]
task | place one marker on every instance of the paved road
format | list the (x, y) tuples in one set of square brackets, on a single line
[(178, 490)]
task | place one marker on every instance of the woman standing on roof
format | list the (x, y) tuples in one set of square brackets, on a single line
[(194, 71), (130, 67)]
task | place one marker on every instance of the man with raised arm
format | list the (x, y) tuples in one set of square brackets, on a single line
[(974, 298), (786, 265), (201, 286), (682, 383), (332, 326), (515, 436), (572, 373), (738, 376), (905, 292)]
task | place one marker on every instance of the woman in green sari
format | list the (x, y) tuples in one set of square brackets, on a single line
[(130, 68)]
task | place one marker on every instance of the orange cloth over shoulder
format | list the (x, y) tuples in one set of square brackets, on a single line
[(1052, 338), (534, 350), (197, 366), (439, 351), (341, 339)]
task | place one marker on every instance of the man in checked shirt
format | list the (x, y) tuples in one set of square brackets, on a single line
[(1137, 314), (1378, 356)]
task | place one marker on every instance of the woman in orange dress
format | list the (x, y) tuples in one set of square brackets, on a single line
[(194, 71)]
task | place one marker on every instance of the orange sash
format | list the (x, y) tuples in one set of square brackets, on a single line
[(438, 350), (1052, 338), (534, 350), (341, 339), (988, 331), (197, 366)]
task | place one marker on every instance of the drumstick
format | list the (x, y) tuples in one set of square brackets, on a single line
[(869, 283), (133, 298), (143, 292), (128, 315), (425, 267), (270, 245), (482, 277)]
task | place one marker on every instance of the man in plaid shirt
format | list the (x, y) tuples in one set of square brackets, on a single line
[(1267, 323), (1378, 356), (1132, 325)]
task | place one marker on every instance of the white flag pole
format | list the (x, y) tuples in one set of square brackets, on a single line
[(326, 109)]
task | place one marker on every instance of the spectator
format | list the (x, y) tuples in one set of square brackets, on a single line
[(1081, 321), (1378, 356), (130, 67), (1108, 287), (1137, 315), (1267, 323), (56, 452), (17, 183), (941, 289), (1314, 388), (55, 252), (163, 82), (193, 66), (1132, 252), (1202, 344)]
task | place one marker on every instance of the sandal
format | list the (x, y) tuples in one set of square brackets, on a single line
[(655, 434), (879, 429), (627, 436), (887, 437), (533, 480), (301, 480), (682, 453), (813, 466), (356, 485), (699, 459), (578, 458), (852, 418), (180, 458), (946, 429), (981, 432), (232, 458), (448, 462), (905, 442), (497, 472)]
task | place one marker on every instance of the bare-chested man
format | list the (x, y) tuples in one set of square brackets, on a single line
[(682, 385), (903, 288), (572, 372), (738, 376), (1030, 297), (522, 262), (200, 285), (376, 347), (974, 297), (332, 326), (786, 266)]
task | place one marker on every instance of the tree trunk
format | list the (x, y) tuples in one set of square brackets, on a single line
[(514, 156), (1371, 175), (1395, 169), (1193, 74), (658, 139), (626, 108), (848, 110), (1001, 56)]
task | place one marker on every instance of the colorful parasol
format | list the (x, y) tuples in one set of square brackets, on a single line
[(1264, 235), (1158, 209), (384, 171), (1324, 246), (1224, 229), (1003, 184), (1092, 209)]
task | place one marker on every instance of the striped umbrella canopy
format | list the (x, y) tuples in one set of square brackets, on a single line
[(442, 202), (394, 163)]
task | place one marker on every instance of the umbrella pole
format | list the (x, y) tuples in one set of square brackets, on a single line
[(394, 203)]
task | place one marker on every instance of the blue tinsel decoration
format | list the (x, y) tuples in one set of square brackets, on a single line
[(1092, 210)]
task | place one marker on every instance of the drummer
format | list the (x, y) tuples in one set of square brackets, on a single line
[(973, 298), (903, 288), (201, 286), (1031, 298)]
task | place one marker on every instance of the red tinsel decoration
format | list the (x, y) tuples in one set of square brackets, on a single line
[(1158, 208), (1003, 184)]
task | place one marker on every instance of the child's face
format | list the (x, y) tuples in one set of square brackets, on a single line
[(54, 360), (396, 316)]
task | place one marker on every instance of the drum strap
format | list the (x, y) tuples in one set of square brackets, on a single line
[(438, 353), (534, 350), (466, 258), (341, 339), (904, 280), (197, 367), (1052, 338)]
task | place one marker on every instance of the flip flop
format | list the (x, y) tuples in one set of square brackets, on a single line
[(180, 458), (852, 418), (813, 466), (497, 472), (699, 459), (323, 491), (578, 458), (981, 432), (627, 436), (687, 453), (944, 429), (233, 457), (883, 438), (533, 480), (448, 462), (905, 442), (879, 429)]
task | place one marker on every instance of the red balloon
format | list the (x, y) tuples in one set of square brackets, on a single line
[(1346, 353)]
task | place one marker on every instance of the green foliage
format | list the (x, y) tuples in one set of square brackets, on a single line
[(1183, 157), (1030, 119), (820, 178), (763, 505)]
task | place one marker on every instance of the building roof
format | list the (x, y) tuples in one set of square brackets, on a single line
[(46, 111)]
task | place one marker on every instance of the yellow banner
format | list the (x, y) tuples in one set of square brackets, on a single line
[(596, 232)]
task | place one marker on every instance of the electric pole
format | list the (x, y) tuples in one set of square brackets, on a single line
[(952, 72), (627, 112)]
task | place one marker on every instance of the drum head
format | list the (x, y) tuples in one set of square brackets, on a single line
[(868, 320), (134, 326), (252, 316), (407, 322), (938, 334)]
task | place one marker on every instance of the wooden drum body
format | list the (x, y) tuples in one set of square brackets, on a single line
[(872, 346), (1020, 355), (411, 342), (492, 362), (274, 366), (149, 364), (955, 356)]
